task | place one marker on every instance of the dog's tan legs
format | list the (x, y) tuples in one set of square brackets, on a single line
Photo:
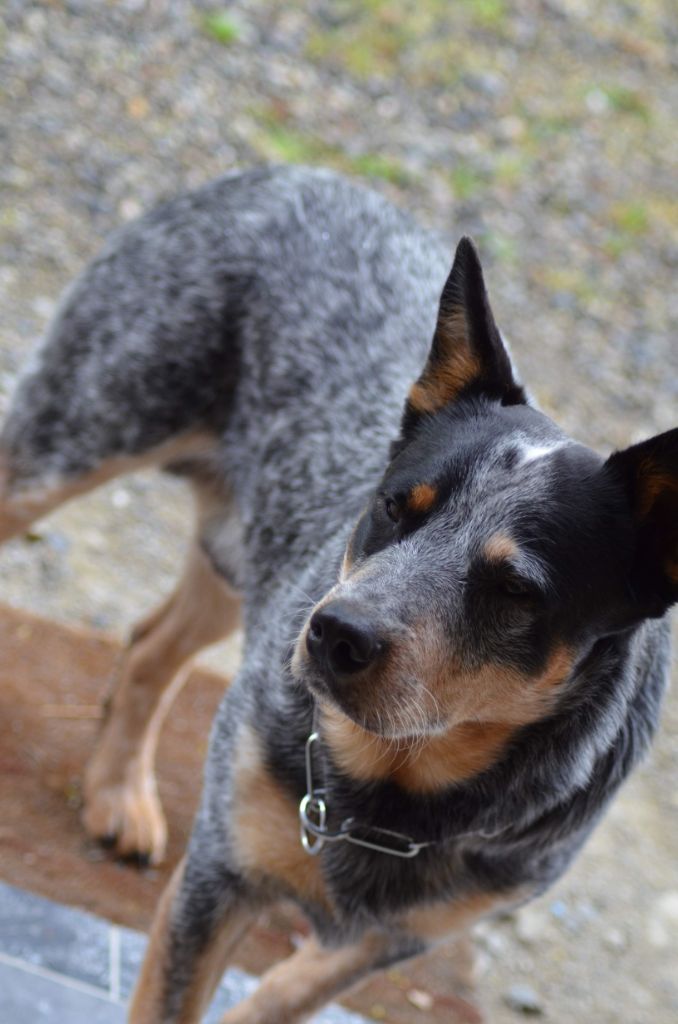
[(187, 956), (302, 984), (149, 989), (121, 801), (22, 503), (194, 932)]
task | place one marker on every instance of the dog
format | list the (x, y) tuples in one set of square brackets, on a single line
[(456, 641)]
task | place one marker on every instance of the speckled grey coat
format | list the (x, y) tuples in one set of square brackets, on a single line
[(287, 312)]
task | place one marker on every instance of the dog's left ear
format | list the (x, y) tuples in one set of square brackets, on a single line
[(467, 350), (649, 473)]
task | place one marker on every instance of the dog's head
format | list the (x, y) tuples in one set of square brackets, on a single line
[(494, 552)]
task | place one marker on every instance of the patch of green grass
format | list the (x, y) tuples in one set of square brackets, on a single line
[(626, 101), (503, 248), (220, 26), (363, 49), (277, 141), (465, 181), (281, 143), (569, 281), (490, 14), (663, 210), (8, 215), (374, 165), (441, 63), (630, 218), (511, 168), (629, 222), (380, 37), (547, 127), (616, 245), (508, 170)]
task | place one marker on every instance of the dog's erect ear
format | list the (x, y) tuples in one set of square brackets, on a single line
[(467, 350), (649, 474)]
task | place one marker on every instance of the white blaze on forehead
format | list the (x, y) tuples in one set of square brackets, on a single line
[(531, 452)]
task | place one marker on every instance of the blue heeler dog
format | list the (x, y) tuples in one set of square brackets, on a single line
[(455, 634)]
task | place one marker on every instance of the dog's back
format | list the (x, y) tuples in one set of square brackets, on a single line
[(313, 286), (283, 311)]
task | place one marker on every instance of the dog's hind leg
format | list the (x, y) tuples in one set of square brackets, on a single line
[(28, 495), (138, 367), (121, 798), (29, 489), (121, 801)]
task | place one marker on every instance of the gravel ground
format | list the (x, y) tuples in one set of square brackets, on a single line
[(545, 130)]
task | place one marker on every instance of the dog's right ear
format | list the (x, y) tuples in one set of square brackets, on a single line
[(648, 472), (467, 351)]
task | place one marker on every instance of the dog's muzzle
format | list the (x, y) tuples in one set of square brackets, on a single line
[(342, 640)]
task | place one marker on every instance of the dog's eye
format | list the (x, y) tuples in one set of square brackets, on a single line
[(392, 509), (517, 589)]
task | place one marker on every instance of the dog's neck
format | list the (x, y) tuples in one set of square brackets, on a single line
[(417, 765)]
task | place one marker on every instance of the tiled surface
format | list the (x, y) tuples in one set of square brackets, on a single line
[(44, 934), (61, 965), (27, 996)]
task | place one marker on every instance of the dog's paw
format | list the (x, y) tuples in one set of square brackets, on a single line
[(127, 816)]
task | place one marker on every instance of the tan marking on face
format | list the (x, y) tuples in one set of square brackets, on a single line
[(422, 498), (439, 921), (500, 548), (348, 561), (464, 751), (266, 826), (495, 693), (557, 670), (480, 713)]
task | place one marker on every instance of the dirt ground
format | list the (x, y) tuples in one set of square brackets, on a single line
[(546, 129)]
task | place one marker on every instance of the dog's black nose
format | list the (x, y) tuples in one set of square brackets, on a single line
[(342, 639)]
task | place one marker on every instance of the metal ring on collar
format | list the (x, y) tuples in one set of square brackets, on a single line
[(308, 828)]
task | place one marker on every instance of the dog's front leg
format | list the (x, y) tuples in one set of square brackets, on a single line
[(201, 917), (297, 987)]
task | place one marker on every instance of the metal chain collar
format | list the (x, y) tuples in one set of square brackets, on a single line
[(315, 832)]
